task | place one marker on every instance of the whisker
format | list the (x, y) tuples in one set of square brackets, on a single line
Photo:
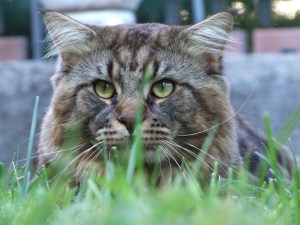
[(214, 158), (82, 163), (160, 163), (230, 118), (87, 167), (81, 166), (174, 144), (63, 156), (194, 154), (76, 158), (37, 134), (186, 150), (170, 165), (183, 155), (217, 133), (49, 153), (172, 156)]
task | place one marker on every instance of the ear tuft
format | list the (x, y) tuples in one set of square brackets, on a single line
[(209, 36), (68, 35)]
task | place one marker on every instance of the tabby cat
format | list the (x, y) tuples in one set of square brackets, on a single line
[(100, 85)]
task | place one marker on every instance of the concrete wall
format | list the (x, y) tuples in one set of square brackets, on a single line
[(20, 83), (266, 83), (270, 82)]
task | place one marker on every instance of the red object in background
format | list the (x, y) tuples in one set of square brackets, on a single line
[(238, 43), (13, 48), (276, 40)]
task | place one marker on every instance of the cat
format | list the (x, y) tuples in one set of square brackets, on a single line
[(101, 82)]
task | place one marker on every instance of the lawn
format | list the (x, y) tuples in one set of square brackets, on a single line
[(124, 196)]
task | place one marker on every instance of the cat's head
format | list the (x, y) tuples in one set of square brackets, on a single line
[(172, 75)]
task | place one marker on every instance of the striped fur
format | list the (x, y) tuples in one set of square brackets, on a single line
[(175, 127)]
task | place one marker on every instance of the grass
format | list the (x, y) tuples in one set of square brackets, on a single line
[(123, 196)]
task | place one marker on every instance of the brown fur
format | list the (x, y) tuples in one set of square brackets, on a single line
[(180, 123)]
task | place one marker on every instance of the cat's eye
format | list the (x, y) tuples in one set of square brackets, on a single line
[(104, 89), (163, 89)]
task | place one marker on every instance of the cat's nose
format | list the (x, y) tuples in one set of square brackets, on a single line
[(128, 121), (126, 112)]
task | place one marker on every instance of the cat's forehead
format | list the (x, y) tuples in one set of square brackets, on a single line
[(133, 47), (138, 35), (72, 37), (150, 27)]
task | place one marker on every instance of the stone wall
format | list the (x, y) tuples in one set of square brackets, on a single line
[(266, 83), (260, 83), (20, 83)]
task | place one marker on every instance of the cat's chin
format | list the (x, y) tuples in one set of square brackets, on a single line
[(153, 152), (151, 156), (154, 155)]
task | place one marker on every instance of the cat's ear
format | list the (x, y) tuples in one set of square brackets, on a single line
[(67, 35), (209, 36)]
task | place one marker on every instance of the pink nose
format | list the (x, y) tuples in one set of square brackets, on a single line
[(126, 111), (128, 121)]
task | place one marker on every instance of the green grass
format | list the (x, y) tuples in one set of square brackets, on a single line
[(123, 196)]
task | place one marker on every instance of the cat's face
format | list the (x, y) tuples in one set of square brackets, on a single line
[(170, 76)]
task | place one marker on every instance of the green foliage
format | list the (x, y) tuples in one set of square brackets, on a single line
[(122, 197), (154, 11), (115, 200), (29, 147), (16, 16), (150, 12), (283, 21), (248, 19)]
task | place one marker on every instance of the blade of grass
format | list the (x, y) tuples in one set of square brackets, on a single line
[(29, 147), (297, 167), (116, 157), (229, 181), (204, 149), (289, 126), (296, 183), (135, 154), (41, 178), (1, 172), (136, 151), (272, 150), (154, 176), (214, 184), (109, 173), (17, 178), (82, 188), (267, 162)]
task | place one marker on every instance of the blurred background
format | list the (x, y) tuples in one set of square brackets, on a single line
[(21, 29), (262, 63)]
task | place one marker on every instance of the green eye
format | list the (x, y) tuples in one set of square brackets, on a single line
[(104, 89), (163, 89)]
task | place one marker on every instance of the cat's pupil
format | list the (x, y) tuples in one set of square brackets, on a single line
[(104, 89), (165, 86), (163, 89)]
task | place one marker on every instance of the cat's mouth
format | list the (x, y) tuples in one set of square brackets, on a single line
[(154, 150), (154, 140), (149, 139), (147, 142)]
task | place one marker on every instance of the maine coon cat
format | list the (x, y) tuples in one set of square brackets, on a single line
[(99, 85)]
